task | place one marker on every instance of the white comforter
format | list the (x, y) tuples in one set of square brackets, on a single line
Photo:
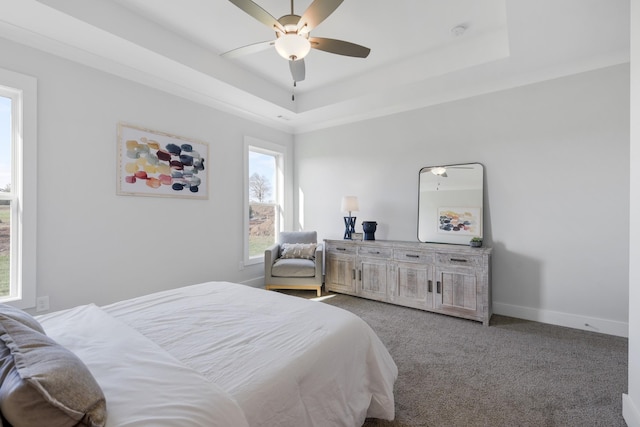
[(285, 361)]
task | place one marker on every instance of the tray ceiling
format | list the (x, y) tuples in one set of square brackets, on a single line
[(416, 59)]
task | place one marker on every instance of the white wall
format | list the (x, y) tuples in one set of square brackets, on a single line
[(557, 188), (631, 400), (557, 180), (94, 246)]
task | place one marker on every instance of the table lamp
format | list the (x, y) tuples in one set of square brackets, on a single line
[(349, 204)]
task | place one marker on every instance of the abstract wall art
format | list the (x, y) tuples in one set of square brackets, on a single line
[(461, 221), (152, 163)]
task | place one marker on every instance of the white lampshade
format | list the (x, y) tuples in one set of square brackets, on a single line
[(292, 46), (349, 204)]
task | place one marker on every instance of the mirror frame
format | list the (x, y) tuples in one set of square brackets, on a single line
[(456, 217)]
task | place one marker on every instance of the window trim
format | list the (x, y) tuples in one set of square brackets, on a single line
[(22, 89), (280, 151)]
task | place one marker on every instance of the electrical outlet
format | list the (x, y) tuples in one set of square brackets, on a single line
[(42, 304)]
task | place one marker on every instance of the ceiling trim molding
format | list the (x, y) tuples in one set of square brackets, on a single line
[(466, 68)]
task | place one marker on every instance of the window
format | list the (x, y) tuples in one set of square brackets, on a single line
[(7, 204), (263, 197), (17, 189)]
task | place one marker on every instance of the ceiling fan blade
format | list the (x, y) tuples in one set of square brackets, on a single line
[(259, 13), (297, 70), (317, 12), (248, 49), (339, 47)]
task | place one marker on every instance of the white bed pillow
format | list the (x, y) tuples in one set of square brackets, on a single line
[(144, 385)]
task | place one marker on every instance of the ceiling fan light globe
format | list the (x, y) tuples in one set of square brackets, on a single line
[(292, 46), (438, 170)]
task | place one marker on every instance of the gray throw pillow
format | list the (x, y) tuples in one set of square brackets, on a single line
[(43, 383), (299, 250), (21, 316)]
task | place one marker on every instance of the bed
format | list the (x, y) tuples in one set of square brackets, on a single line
[(224, 354)]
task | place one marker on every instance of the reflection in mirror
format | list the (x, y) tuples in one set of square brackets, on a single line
[(450, 203)]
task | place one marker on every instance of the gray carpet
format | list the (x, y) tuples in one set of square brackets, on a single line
[(455, 372)]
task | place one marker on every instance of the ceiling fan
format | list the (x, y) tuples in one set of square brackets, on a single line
[(442, 170), (293, 41)]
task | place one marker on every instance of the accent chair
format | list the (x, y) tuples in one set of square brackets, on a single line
[(295, 262)]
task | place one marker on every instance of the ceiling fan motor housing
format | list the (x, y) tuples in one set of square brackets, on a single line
[(290, 23)]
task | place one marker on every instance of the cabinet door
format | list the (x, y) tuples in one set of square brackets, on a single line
[(340, 273), (372, 278), (412, 285), (457, 293)]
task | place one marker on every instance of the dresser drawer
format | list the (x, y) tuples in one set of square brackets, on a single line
[(374, 252), (412, 255), (338, 248), (459, 260)]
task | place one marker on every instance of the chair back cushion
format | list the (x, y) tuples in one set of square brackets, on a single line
[(298, 237)]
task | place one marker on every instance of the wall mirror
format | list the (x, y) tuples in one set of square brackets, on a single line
[(450, 203)]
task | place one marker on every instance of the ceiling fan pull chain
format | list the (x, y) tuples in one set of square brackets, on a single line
[(293, 91)]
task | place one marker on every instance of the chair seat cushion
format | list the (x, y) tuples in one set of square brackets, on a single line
[(293, 267)]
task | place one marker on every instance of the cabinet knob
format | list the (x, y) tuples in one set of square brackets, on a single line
[(457, 260), (412, 256), (430, 282), (438, 286)]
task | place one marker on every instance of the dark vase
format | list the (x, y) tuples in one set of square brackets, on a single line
[(369, 228)]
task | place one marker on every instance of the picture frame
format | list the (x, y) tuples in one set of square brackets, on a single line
[(158, 164)]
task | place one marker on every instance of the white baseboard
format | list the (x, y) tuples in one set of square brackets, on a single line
[(630, 411), (256, 282), (610, 327), (593, 324)]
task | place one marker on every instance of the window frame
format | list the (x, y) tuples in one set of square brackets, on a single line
[(280, 153), (22, 90)]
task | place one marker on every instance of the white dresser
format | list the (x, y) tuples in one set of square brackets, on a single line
[(443, 278)]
